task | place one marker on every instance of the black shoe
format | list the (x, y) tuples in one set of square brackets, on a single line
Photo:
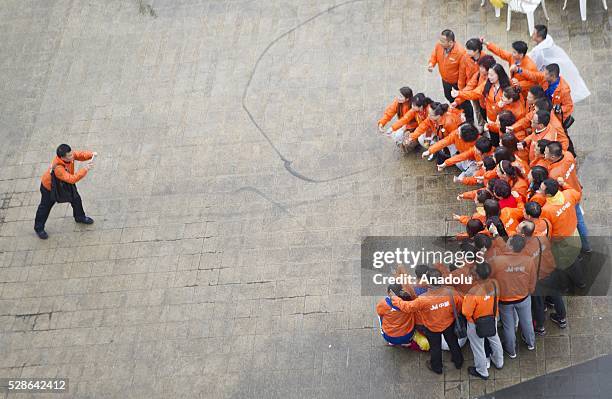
[(561, 322), (85, 220), (580, 286), (428, 365), (472, 371), (42, 234), (540, 330)]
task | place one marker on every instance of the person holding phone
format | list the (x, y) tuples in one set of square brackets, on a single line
[(63, 169)]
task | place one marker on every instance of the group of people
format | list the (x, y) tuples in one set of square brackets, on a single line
[(505, 127)]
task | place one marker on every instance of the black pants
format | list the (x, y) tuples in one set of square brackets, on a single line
[(46, 203), (466, 106), (435, 347), (537, 307)]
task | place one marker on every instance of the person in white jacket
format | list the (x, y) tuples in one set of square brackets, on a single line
[(547, 52)]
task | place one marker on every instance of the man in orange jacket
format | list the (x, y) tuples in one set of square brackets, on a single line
[(63, 169), (436, 312), (517, 57), (517, 275), (447, 55), (481, 301), (469, 68)]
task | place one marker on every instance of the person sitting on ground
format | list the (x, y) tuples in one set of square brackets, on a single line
[(460, 141), (397, 328), (440, 123), (476, 153), (400, 106)]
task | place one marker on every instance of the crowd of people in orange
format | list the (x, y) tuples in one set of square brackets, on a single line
[(505, 128)]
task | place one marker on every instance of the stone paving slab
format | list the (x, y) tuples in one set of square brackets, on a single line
[(239, 168)]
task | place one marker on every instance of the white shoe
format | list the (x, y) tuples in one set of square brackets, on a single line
[(488, 363), (431, 157)]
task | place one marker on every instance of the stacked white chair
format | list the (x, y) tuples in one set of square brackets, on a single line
[(583, 7)]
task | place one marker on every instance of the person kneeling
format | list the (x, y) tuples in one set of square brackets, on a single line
[(396, 327)]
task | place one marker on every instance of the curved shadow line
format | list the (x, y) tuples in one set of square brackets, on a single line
[(286, 162)]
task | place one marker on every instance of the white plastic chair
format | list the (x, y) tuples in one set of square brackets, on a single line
[(527, 7), (497, 10), (583, 7)]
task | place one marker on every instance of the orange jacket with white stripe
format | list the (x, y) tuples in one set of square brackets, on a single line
[(434, 307), (480, 300), (565, 168), (562, 95), (526, 64), (560, 211), (395, 323)]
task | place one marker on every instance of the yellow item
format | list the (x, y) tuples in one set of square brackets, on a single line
[(421, 341), (498, 3)]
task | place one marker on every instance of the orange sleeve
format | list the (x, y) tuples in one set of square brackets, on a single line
[(567, 105), (389, 113), (474, 94), (462, 156), (445, 142), (406, 306), (433, 59), (421, 129), (464, 219), (503, 54), (539, 198), (470, 195), (462, 72), (493, 127), (524, 122), (67, 177), (572, 195), (534, 76), (82, 155), (468, 307), (403, 121)]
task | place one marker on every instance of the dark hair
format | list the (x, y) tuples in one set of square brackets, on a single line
[(555, 149), (473, 227), (513, 93), (503, 79), (449, 34), (491, 183), (503, 154), (482, 241), (543, 103), (541, 145), (467, 247), (399, 291), (491, 208), (474, 44), (539, 174), (420, 100), (553, 69), (468, 132), (483, 144), (552, 187), (509, 141), (420, 270), (439, 109), (488, 162), (499, 225), (502, 188), (537, 91), (508, 169), (483, 270), (62, 150), (541, 30), (517, 243), (406, 92), (543, 117), (486, 61), (528, 228), (520, 47), (506, 118), (533, 209), (433, 276), (482, 195)]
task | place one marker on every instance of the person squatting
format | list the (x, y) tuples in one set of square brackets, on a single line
[(505, 127)]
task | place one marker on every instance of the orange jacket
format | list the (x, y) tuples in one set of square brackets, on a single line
[(65, 171), (449, 122), (394, 322), (526, 64), (480, 300), (516, 274), (543, 259), (468, 68), (566, 169), (466, 271), (543, 228), (491, 100), (434, 307), (479, 214), (453, 138), (562, 95), (471, 153), (518, 110), (391, 111), (511, 217), (560, 210), (448, 64), (549, 133)]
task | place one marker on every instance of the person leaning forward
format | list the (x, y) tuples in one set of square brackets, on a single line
[(63, 169), (436, 313)]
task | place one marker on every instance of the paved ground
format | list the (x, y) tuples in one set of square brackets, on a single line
[(239, 168)]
